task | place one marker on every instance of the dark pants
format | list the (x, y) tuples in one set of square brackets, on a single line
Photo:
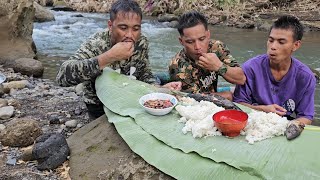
[(95, 111)]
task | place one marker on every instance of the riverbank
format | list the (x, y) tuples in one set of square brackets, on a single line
[(55, 109), (241, 14)]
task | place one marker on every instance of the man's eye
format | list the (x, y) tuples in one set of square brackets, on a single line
[(123, 27), (189, 42), (282, 42), (202, 39), (136, 28)]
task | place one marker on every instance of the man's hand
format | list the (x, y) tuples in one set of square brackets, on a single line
[(173, 85), (210, 61), (120, 51), (275, 108)]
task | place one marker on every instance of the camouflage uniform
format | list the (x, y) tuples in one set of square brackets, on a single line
[(194, 78), (84, 67)]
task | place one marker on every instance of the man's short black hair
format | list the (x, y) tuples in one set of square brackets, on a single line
[(289, 22), (191, 19), (125, 6)]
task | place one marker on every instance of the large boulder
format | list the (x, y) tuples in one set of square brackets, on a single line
[(28, 66), (50, 150), (20, 133), (98, 152), (16, 26), (42, 14)]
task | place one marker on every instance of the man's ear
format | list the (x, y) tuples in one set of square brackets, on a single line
[(180, 40), (208, 34), (296, 45), (109, 24)]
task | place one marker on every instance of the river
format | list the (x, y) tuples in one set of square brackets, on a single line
[(59, 39)]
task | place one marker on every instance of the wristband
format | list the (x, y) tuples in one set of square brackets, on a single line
[(222, 70)]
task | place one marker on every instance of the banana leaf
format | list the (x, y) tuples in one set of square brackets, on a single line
[(274, 158), (171, 161)]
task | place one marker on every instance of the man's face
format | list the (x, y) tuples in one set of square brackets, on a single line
[(195, 41), (126, 27), (281, 45)]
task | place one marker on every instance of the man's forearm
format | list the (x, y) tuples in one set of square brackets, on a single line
[(235, 75), (73, 72)]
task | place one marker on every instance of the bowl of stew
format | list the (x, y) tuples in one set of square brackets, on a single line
[(158, 104)]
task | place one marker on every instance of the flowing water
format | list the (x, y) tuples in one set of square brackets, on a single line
[(59, 39)]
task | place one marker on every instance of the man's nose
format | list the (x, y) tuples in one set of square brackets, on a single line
[(129, 34), (197, 45)]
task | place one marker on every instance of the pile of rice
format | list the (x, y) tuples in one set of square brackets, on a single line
[(197, 117), (263, 125)]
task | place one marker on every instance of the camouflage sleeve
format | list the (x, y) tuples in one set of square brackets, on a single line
[(181, 71), (82, 66), (223, 52), (143, 64)]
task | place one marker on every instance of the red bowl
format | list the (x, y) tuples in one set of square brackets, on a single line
[(230, 122)]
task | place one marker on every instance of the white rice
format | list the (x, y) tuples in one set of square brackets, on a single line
[(263, 125), (197, 117)]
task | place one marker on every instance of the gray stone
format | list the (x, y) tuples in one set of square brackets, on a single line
[(2, 127), (16, 27), (6, 112), (42, 14), (265, 26), (20, 133), (11, 160), (54, 119), (15, 85), (167, 18), (97, 150), (3, 102), (71, 123), (28, 66), (50, 150)]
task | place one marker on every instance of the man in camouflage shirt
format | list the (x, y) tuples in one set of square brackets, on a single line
[(201, 60), (121, 47)]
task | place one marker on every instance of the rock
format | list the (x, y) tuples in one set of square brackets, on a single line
[(28, 66), (54, 119), (11, 160), (16, 27), (45, 2), (50, 150), (97, 150), (3, 102), (14, 85), (77, 15), (6, 112), (27, 154), (20, 133), (71, 123), (167, 18), (62, 8), (42, 14), (173, 24), (2, 127), (13, 102), (265, 26)]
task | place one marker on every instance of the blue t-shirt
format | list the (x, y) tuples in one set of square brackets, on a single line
[(298, 85)]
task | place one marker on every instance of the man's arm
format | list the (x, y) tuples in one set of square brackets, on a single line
[(222, 62), (91, 58), (275, 108)]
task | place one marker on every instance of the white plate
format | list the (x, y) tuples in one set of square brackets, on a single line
[(161, 96)]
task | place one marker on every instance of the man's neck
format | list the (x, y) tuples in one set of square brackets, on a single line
[(279, 70)]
